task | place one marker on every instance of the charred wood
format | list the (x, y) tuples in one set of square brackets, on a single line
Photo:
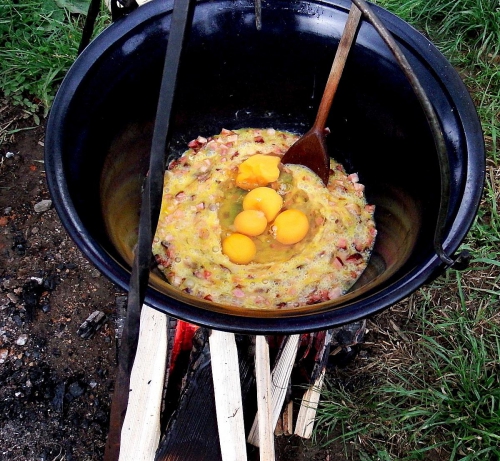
[(191, 432)]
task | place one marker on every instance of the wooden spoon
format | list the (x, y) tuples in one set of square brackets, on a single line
[(310, 149)]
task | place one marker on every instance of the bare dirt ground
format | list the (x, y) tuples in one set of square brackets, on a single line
[(55, 386)]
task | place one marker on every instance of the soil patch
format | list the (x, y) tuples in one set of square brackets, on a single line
[(55, 387)]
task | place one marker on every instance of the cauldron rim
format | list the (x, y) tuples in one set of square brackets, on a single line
[(285, 321)]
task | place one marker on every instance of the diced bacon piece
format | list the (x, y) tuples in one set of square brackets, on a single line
[(211, 144), (353, 208), (337, 263), (238, 293), (317, 296), (353, 177), (203, 233), (206, 166), (334, 293), (359, 245), (203, 177), (258, 139), (161, 262), (173, 164), (195, 144), (223, 149), (355, 258), (176, 281), (342, 243), (371, 238), (181, 196), (203, 274)]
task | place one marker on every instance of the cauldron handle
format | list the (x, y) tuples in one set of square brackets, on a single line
[(461, 260), (149, 212)]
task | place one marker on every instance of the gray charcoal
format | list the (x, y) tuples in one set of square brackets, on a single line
[(75, 389), (58, 400), (93, 324)]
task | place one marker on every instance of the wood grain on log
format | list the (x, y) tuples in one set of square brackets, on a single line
[(227, 391), (141, 426), (308, 408), (264, 407), (280, 377)]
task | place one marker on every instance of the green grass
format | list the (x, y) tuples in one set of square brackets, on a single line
[(443, 395), (38, 43), (437, 396), (456, 25)]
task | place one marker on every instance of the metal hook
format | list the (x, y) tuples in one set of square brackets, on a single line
[(461, 260)]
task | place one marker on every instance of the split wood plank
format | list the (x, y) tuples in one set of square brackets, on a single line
[(280, 377), (288, 419), (141, 427), (309, 407), (228, 401), (264, 407)]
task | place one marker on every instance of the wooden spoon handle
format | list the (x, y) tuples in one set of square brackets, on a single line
[(345, 44)]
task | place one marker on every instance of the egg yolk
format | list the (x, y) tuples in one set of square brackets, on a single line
[(264, 199), (290, 227), (258, 170), (239, 248), (250, 222)]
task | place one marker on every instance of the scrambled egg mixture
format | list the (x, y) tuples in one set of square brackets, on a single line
[(238, 227)]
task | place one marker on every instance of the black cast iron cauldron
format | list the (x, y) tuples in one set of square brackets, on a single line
[(232, 76)]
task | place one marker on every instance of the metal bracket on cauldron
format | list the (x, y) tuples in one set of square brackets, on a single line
[(148, 219), (119, 8), (460, 261)]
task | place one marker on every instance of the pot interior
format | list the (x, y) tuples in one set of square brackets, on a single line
[(234, 76)]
